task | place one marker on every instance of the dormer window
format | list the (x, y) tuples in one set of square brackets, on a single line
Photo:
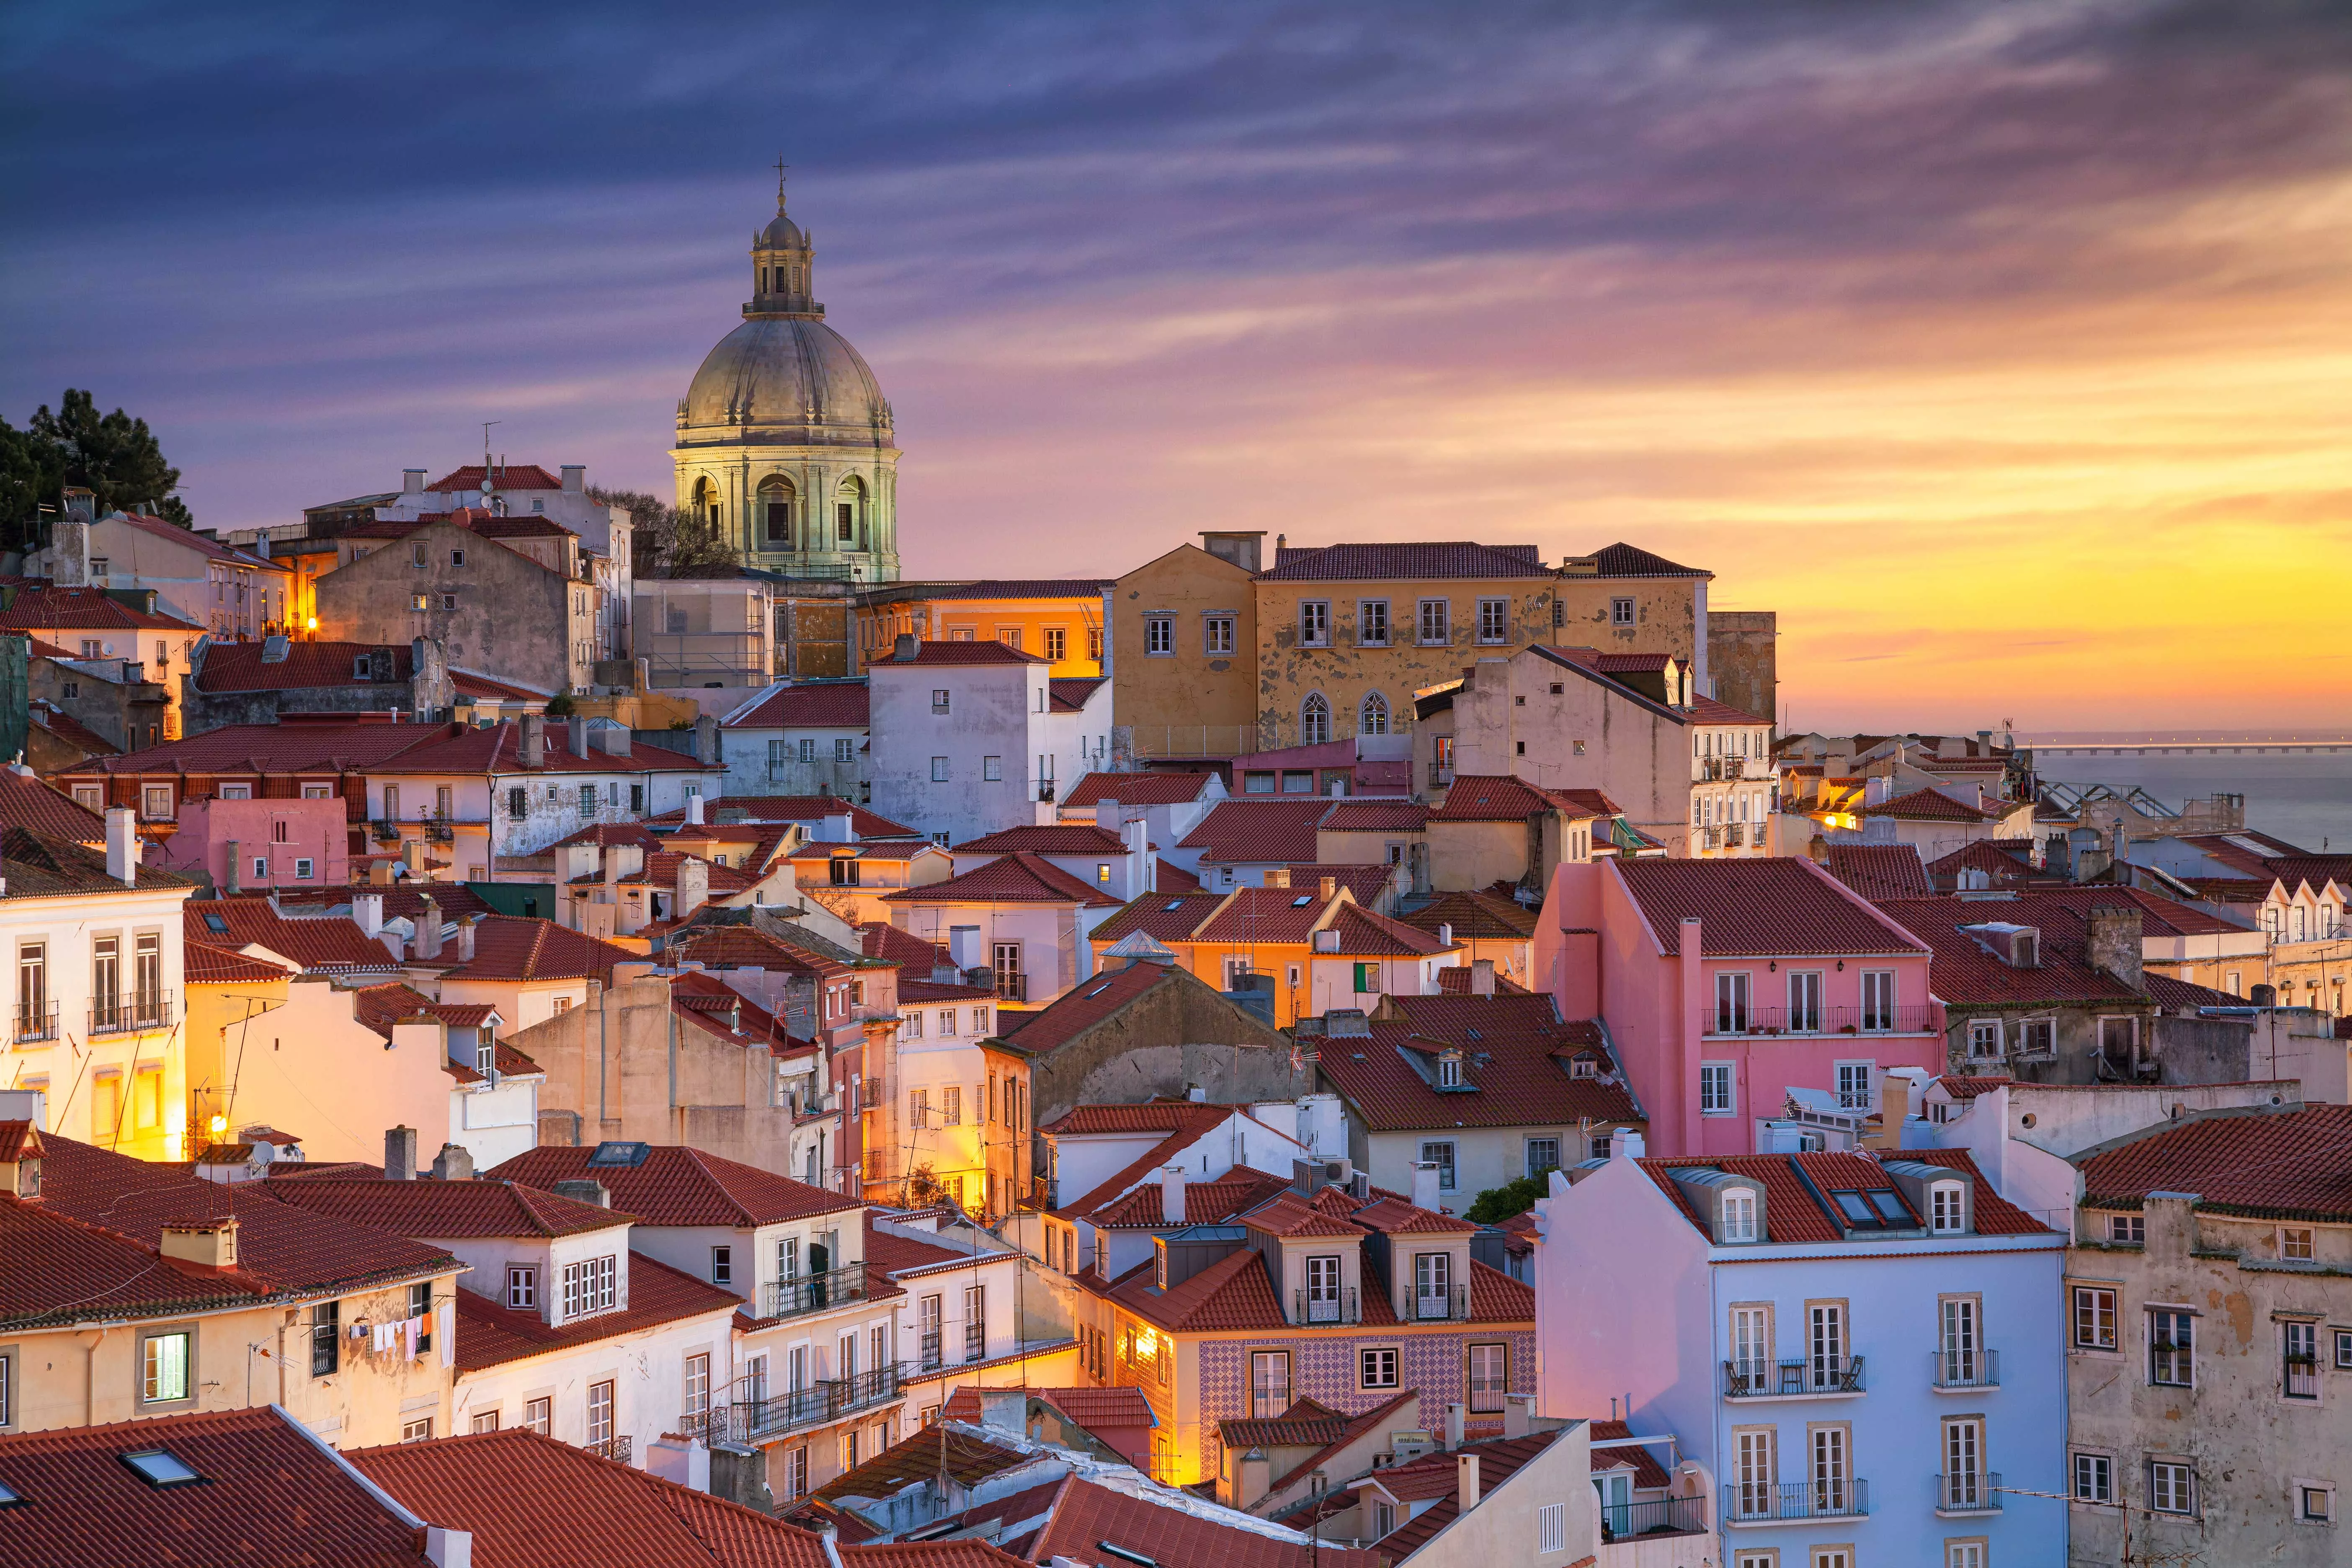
[(1583, 1065), (1948, 1213), (1449, 1070), (1739, 1214)]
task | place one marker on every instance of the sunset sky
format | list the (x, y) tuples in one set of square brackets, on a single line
[(2005, 351)]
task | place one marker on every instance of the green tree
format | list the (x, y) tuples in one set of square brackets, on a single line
[(1497, 1204), (670, 541), (113, 455)]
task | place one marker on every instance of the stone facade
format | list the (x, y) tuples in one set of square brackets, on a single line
[(1743, 657), (1193, 691), (492, 608), (1177, 1037)]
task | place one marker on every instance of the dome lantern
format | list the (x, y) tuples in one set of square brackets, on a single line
[(783, 260)]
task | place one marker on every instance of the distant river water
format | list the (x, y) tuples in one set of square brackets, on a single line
[(2303, 797)]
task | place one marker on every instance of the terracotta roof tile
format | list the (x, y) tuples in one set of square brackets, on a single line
[(1166, 916), (1050, 838), (468, 684), (956, 1451), (1962, 1087), (1366, 562), (244, 749), (1751, 906), (1967, 972), (27, 803), (1525, 1080), (2275, 1164), (1138, 789), (1267, 914), (510, 948), (82, 610), (1925, 804), (1017, 877), (1415, 1479), (1071, 693), (241, 667), (423, 1209), (1504, 798), (497, 749), (940, 653), (1305, 1422), (1475, 914), (330, 945), (910, 952), (1622, 560), (1365, 935), (1271, 832), (1879, 871), (492, 1335), (681, 1186), (1649, 1474), (810, 705), (203, 965), (1791, 1213)]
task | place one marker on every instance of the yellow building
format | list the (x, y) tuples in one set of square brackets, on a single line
[(1626, 600), (1184, 650), (1060, 619)]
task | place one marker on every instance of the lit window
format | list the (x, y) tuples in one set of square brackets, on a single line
[(165, 1375)]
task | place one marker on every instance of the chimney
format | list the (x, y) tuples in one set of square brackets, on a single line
[(367, 913), (428, 929), (454, 1163), (1279, 876), (121, 844), (2112, 935), (1628, 1145), (1251, 1474), (236, 883), (412, 482), (400, 1155), (694, 810), (1482, 977), (1453, 1425), (906, 649), (706, 741), (1445, 933), (1171, 1195), (209, 1244), (575, 478), (693, 886), (584, 1190), (575, 735), (1877, 789), (1425, 1185), (1004, 1409), (1519, 1414), (534, 740), (1466, 1465), (1326, 888), (1107, 816), (466, 938)]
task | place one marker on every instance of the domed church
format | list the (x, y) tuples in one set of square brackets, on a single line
[(785, 439)]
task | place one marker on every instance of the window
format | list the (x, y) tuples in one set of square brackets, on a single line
[(2299, 1348), (2095, 1477), (1947, 1208), (518, 803), (1437, 622), (698, 1388), (1377, 1368), (1832, 1475), (1739, 1215), (1854, 1086), (2128, 1227), (1805, 1001), (523, 1288), (1494, 620), (2095, 1318), (1371, 623), (155, 802), (164, 1369), (2342, 1349), (1159, 634), (420, 601), (486, 1421), (2315, 1504), (1216, 635), (1756, 1471), (939, 699), (1730, 1004), (302, 870), (723, 1265), (1878, 999), (1984, 1038), (1964, 1483), (2170, 1347), (1543, 1154), (1440, 1154), (991, 769), (951, 1106), (1269, 1383), (1373, 719), (539, 1415), (417, 1431), (589, 1287), (1715, 1089), (1490, 1377), (2294, 1244), (1551, 1527), (261, 867), (1620, 612), (449, 601), (600, 1413), (326, 1339), (1433, 1279), (1314, 720), (1314, 622), (939, 769), (2171, 1487), (1825, 1342)]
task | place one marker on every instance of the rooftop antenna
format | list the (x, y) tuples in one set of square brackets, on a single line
[(486, 450)]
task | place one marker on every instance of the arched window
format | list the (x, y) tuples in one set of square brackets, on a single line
[(849, 510), (705, 501), (1314, 720), (1374, 719), (776, 510)]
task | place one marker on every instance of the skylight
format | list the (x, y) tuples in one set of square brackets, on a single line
[(1122, 1552), (1302, 900), (160, 1468), (613, 1153), (9, 1496), (1172, 906), (215, 924)]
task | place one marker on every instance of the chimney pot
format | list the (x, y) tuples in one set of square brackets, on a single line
[(575, 735), (1466, 1465), (575, 478), (236, 881), (412, 482), (534, 740), (1425, 1185), (400, 1155), (1454, 1422), (1171, 1195), (123, 845), (905, 649), (454, 1163), (694, 810), (1482, 977)]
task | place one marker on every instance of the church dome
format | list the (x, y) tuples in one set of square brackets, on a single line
[(783, 234), (786, 372)]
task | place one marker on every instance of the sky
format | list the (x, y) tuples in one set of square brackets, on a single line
[(2005, 351)]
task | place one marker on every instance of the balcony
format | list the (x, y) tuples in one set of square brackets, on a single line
[(1964, 1492), (1450, 1305), (1011, 986), (814, 1292), (1486, 1395), (819, 1404), (1660, 1515), (1956, 1370), (933, 1353), (35, 1023), (975, 1342), (1778, 1503), (619, 1449), (1338, 1307), (2302, 1379), (1910, 1019), (1713, 770), (1046, 791), (129, 1013), (1824, 1377)]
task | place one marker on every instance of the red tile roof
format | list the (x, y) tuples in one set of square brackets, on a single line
[(678, 1186), (1925, 804), (70, 729), (814, 705), (1389, 1078), (1138, 789), (741, 947), (1267, 914), (1053, 838), (330, 945), (1084, 1516), (492, 1335), (241, 750), (424, 1209), (1622, 559), (240, 666), (1365, 935), (1174, 879), (1959, 1087), (1363, 562), (1649, 1474), (1791, 1213), (1017, 877), (937, 653), (910, 952), (271, 1494), (1482, 915), (1168, 915), (1273, 832), (2005, 863), (509, 948), (2275, 1164), (1088, 1407), (468, 684), (82, 610), (1070, 693), (1432, 1476), (1205, 1202), (1879, 871), (33, 866), (1161, 1116), (1752, 907), (497, 749), (203, 965), (1967, 972), (1374, 816), (1503, 797), (1085, 1006), (27, 803), (1306, 1423), (518, 477)]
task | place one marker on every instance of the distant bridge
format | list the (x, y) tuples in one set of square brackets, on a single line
[(2185, 748)]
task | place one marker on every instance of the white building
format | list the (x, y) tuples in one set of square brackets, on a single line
[(965, 738), (1027, 922), (228, 592), (805, 738)]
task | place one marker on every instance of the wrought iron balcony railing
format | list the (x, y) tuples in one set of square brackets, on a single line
[(814, 1292), (1660, 1515), (129, 1011), (1336, 1307), (820, 1404), (1965, 1368), (1967, 1491), (1792, 1379), (1838, 1497), (35, 1022)]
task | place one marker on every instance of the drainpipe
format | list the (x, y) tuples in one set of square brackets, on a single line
[(604, 1002), (669, 1017), (89, 1372)]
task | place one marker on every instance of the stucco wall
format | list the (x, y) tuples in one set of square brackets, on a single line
[(1188, 703), (1667, 613), (513, 617), (993, 711), (1585, 736), (1176, 1037), (1743, 655)]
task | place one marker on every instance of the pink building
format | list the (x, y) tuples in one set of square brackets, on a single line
[(1729, 987), (273, 842)]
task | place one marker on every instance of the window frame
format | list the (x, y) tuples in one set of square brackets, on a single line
[(1623, 611), (141, 1375), (2180, 1357), (1494, 622), (1714, 1077), (1421, 621), (2181, 1473), (1159, 635), (1217, 633), (1314, 622), (1367, 611), (2101, 1467)]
